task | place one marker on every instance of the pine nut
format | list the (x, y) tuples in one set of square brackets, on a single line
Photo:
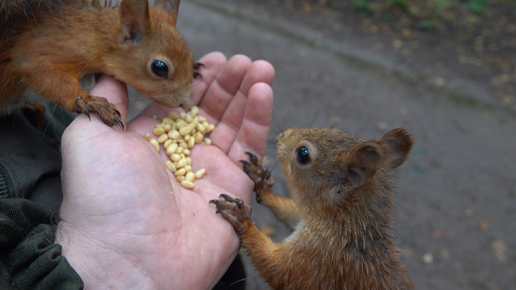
[(187, 184), (194, 111), (210, 128), (162, 138), (182, 163), (167, 120), (190, 176), (172, 149), (154, 143), (198, 137), (200, 128), (188, 168), (167, 143), (147, 136), (186, 152), (180, 172), (188, 118), (173, 115), (175, 157), (186, 130), (171, 166), (158, 131), (207, 141), (173, 134), (200, 173), (191, 143)]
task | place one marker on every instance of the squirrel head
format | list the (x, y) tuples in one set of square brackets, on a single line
[(335, 173), (154, 58)]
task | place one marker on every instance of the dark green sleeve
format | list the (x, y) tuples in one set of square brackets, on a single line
[(30, 198), (29, 259)]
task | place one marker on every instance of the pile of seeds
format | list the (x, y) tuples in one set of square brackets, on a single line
[(179, 133)]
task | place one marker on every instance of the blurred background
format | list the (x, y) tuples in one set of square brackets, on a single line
[(443, 69)]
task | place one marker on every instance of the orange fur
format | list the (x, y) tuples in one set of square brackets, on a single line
[(51, 55), (342, 196)]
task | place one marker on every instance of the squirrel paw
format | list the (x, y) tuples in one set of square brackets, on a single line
[(107, 112), (234, 210), (262, 177), (197, 65)]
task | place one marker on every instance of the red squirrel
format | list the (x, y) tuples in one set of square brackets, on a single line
[(46, 46), (340, 211)]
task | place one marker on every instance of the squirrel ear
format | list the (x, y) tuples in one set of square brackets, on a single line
[(362, 163), (135, 19), (397, 143), (171, 6)]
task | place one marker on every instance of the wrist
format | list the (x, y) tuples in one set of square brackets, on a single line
[(100, 266)]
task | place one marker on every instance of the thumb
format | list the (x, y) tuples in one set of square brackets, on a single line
[(115, 92)]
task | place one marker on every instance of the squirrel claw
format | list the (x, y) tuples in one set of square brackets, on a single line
[(197, 65), (196, 74), (234, 210), (106, 111), (262, 177)]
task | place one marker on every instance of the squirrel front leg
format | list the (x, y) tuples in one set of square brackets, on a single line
[(284, 209), (266, 255), (61, 86)]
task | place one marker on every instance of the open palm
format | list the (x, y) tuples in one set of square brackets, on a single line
[(126, 222)]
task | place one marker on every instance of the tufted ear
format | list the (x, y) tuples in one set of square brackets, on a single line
[(397, 144), (361, 163), (135, 19), (171, 6)]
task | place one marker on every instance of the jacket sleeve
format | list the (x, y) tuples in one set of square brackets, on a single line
[(29, 259), (30, 198)]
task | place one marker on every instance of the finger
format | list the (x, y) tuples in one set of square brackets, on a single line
[(213, 63), (115, 92), (226, 131), (223, 89), (254, 130)]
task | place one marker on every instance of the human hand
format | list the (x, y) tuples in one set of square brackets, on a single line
[(126, 222)]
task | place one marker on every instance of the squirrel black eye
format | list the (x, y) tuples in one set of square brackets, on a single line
[(303, 155), (160, 69)]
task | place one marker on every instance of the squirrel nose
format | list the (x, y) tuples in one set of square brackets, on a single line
[(187, 103)]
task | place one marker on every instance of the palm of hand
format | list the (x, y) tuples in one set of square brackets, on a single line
[(122, 204)]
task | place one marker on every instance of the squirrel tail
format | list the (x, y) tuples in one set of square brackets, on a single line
[(16, 12)]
